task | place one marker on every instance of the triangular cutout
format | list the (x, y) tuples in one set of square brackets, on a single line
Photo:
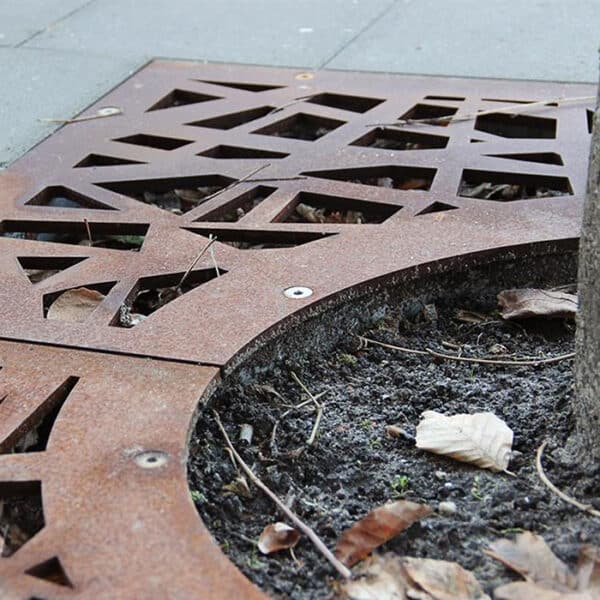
[(40, 268), (475, 141), (181, 98), (102, 160), (58, 196), (436, 207), (78, 305), (548, 158), (225, 151), (50, 570), (248, 87)]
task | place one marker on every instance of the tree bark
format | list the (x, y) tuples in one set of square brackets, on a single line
[(587, 365)]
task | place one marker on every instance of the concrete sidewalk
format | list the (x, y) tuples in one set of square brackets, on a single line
[(57, 56)]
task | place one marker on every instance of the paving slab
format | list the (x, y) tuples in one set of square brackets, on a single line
[(21, 20), (40, 84), (272, 32), (547, 40)]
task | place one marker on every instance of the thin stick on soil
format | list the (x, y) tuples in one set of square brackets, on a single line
[(540, 469), (318, 405), (211, 241), (391, 346), (471, 116), (509, 363), (303, 527)]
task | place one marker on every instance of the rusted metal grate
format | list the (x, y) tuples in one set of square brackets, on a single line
[(257, 157)]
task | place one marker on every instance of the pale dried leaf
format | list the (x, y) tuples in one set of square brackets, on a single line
[(190, 195), (442, 580), (379, 526), (470, 316), (588, 569), (393, 577), (531, 302), (74, 305), (277, 536), (530, 556), (526, 590), (481, 438), (310, 213), (238, 486)]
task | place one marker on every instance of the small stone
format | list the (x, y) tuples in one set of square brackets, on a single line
[(447, 508), (441, 475)]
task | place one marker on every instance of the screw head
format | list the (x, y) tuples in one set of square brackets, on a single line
[(297, 291), (151, 459), (107, 111), (302, 76)]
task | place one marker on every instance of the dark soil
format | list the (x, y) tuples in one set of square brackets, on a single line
[(355, 466)]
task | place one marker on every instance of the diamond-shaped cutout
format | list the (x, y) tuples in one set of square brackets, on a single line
[(180, 98), (548, 158), (436, 207), (433, 112), (239, 207), (57, 196), (309, 207), (393, 177), (507, 187), (101, 160), (248, 87), (174, 194), (400, 139), (359, 104), (301, 126), (516, 126), (225, 151), (231, 120), (157, 142)]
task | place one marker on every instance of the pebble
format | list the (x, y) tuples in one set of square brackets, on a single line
[(447, 508)]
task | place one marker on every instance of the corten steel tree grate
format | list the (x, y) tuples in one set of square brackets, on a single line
[(243, 154)]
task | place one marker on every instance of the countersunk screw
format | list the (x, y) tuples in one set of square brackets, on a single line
[(151, 459), (298, 291)]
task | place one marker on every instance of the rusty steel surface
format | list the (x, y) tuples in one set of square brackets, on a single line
[(261, 141)]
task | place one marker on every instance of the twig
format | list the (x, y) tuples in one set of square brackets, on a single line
[(101, 114), (490, 361), (540, 469), (211, 241), (390, 346), (89, 231), (314, 538), (266, 179), (291, 103), (468, 117), (318, 405), (213, 258), (235, 183)]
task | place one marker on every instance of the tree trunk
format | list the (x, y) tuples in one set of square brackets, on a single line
[(587, 365)]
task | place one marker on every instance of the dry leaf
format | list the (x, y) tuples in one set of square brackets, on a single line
[(238, 486), (393, 577), (74, 305), (548, 578), (481, 438), (277, 536), (524, 303), (470, 316), (310, 213), (379, 526)]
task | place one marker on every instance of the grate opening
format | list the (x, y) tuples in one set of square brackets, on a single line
[(308, 207), (436, 207), (512, 101), (248, 87), (516, 126), (390, 177), (61, 197), (398, 139), (49, 299), (178, 195), (51, 570), (301, 126), (359, 104), (450, 98), (235, 119), (40, 268), (506, 187), (36, 429), (21, 514), (239, 207), (101, 160), (224, 151), (181, 98), (429, 111), (152, 293), (154, 141), (549, 158), (590, 119), (257, 239), (475, 141), (115, 236)]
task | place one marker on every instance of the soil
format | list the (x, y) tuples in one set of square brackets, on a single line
[(355, 466)]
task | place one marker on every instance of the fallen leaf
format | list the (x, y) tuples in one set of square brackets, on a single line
[(310, 213), (481, 438), (277, 536), (74, 305), (525, 590), (238, 486), (393, 577), (379, 526), (530, 302), (470, 316)]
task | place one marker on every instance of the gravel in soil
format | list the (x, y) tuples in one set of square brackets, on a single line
[(354, 466)]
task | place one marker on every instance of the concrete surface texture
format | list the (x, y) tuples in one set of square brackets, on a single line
[(57, 56)]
